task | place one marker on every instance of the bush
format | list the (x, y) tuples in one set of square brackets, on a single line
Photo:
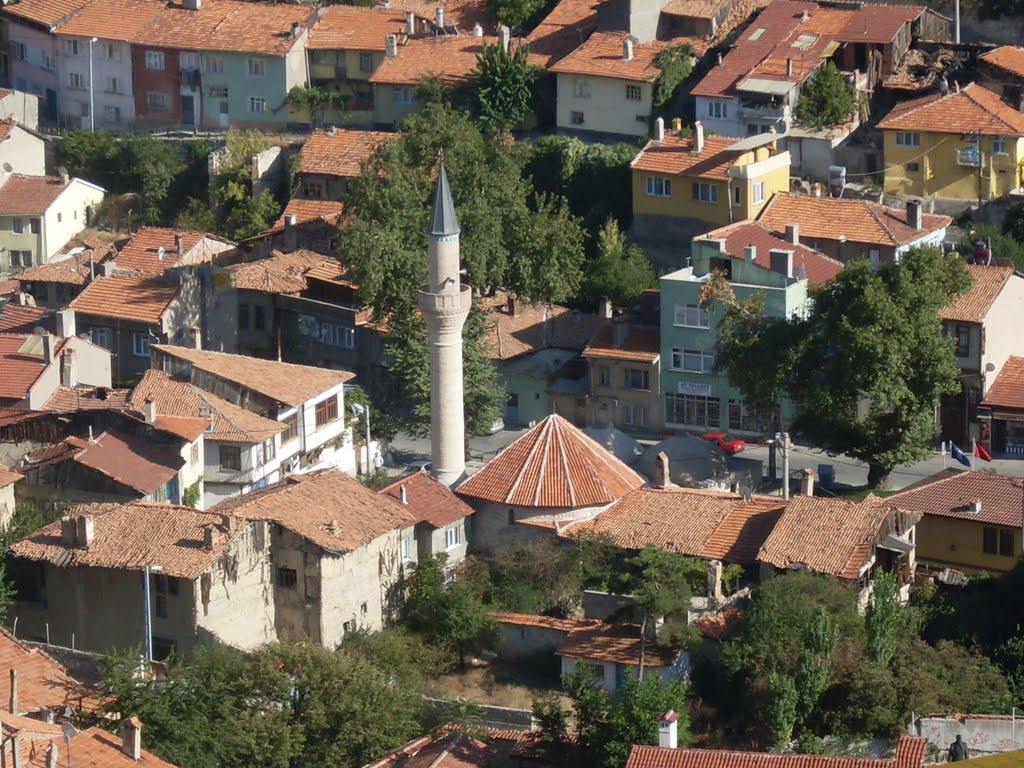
[(827, 99)]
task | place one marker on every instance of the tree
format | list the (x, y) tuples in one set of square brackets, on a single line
[(781, 707), (675, 65), (884, 618), (662, 589), (447, 611), (826, 99), (867, 366), (503, 83), (240, 213), (620, 272), (814, 669), (537, 578), (518, 14)]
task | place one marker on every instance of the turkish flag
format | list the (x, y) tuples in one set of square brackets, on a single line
[(981, 453)]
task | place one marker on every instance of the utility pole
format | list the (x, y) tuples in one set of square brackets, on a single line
[(147, 575), (784, 440), (977, 139)]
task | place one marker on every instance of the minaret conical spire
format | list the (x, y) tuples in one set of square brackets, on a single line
[(443, 220)]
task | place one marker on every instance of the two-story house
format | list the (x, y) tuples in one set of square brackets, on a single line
[(1001, 413), (966, 144), (848, 229), (154, 250), (21, 147), (332, 157), (309, 402), (977, 321), (438, 519), (685, 183), (346, 45), (1001, 70), (755, 262), (39, 214)]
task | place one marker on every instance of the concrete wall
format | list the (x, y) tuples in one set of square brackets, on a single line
[(37, 72), (67, 216), (610, 402), (1007, 311), (611, 674), (605, 108), (72, 100), (517, 643), (984, 734), (958, 543), (296, 608), (495, 527), (25, 151), (389, 113), (6, 505)]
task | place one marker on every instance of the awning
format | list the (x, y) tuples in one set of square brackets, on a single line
[(764, 85), (894, 543)]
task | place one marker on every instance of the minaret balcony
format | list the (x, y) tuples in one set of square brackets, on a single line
[(446, 303)]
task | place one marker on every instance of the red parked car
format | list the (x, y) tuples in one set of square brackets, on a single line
[(729, 444)]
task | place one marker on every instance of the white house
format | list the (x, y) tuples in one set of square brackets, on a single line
[(21, 148)]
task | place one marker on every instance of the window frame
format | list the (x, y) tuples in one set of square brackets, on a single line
[(908, 138), (630, 375), (576, 117), (291, 430), (702, 187), (102, 336), (157, 101), (366, 61), (286, 578), (326, 411), (999, 146), (233, 461), (140, 341), (256, 69), (706, 359), (702, 320), (757, 193), (961, 341), (451, 537), (658, 186), (155, 61), (634, 92), (257, 105)]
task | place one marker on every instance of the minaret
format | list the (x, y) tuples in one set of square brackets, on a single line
[(445, 303)]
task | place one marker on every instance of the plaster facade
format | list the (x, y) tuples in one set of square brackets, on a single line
[(25, 151), (33, 63), (950, 542), (503, 526), (603, 105), (111, 89)]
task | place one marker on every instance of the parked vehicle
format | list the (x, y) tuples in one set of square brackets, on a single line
[(725, 441)]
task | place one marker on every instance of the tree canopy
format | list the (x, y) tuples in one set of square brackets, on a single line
[(503, 85), (826, 99), (620, 272), (867, 365)]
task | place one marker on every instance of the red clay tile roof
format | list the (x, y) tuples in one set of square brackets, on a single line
[(71, 269), (441, 751), (285, 382), (47, 12), (21, 368), (133, 535), (8, 476), (23, 318), (354, 28), (328, 508), (427, 500), (93, 747), (910, 753), (133, 462), (986, 284), (1008, 57), (543, 622), (674, 155), (43, 683), (142, 253), (974, 105), (341, 151), (616, 643), (30, 195), (698, 523), (553, 465), (143, 299), (951, 492), (696, 9), (111, 19), (861, 221), (641, 344), (562, 30), (229, 423), (279, 273), (332, 271), (1007, 391), (329, 211), (830, 536), (449, 57), (462, 13), (525, 330), (818, 267), (85, 398), (602, 56)]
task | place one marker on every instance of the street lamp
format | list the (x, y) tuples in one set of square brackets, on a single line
[(359, 409), (147, 573), (92, 105)]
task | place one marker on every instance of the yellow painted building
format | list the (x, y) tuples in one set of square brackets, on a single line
[(967, 144), (715, 180), (970, 521)]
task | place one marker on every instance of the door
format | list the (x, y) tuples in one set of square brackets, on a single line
[(512, 409), (51, 104), (224, 114), (188, 110)]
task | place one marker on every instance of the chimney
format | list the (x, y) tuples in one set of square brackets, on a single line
[(439, 17), (781, 261), (511, 306), (715, 595), (956, 86), (410, 23), (718, 59), (291, 235), (68, 532), (604, 309), (504, 37), (65, 323), (404, 493), (177, 245), (677, 125), (197, 337), (793, 234), (65, 177), (750, 254), (620, 332), (49, 348), (149, 410), (107, 268), (668, 736), (627, 48), (210, 536), (659, 129), (12, 705), (807, 482), (68, 369), (296, 26), (390, 49), (804, 16), (85, 530), (789, 67), (51, 756), (915, 214), (478, 31), (131, 738), (698, 137), (662, 478)]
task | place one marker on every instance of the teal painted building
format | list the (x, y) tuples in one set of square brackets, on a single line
[(248, 89), (755, 261)]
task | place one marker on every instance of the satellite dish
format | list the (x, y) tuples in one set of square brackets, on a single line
[(8, 168), (68, 730)]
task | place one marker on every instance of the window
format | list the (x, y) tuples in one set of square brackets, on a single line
[(71, 47), (18, 49), (913, 167), (21, 258), (257, 105), (692, 316), (692, 410), (83, 109), (112, 114), (291, 428), (102, 337), (581, 88), (156, 100), (737, 196), (287, 578), (195, 453), (908, 139), (451, 537), (402, 94), (963, 340), (112, 51), (576, 118), (155, 60), (256, 67), (758, 191), (314, 190), (214, 66), (606, 375), (188, 61), (218, 91), (269, 450), (18, 226), (704, 192), (743, 417), (635, 415), (365, 61), (990, 541), (405, 550), (659, 187), (243, 316), (718, 264), (364, 608), (637, 378), (634, 93), (76, 82), (693, 360), (335, 335), (1006, 538), (140, 344), (231, 457), (718, 109), (349, 626), (60, 217), (998, 145), (113, 85), (327, 411), (259, 318)]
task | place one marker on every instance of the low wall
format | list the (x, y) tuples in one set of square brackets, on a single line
[(485, 715), (984, 734), (603, 605)]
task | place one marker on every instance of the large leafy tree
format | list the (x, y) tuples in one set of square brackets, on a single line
[(503, 83), (827, 99), (864, 369), (662, 589), (518, 14), (620, 272)]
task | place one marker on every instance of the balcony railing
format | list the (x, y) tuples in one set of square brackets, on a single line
[(970, 157)]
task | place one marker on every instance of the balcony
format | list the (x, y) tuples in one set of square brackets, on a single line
[(763, 111), (970, 157)]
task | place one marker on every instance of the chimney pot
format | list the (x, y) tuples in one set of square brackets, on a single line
[(627, 48), (85, 530), (793, 234), (13, 702), (718, 59), (504, 37), (131, 738), (210, 536), (662, 476), (295, 29), (149, 410), (668, 734), (65, 177), (750, 254), (68, 532), (807, 482), (604, 309), (915, 214), (390, 52), (410, 23), (439, 17), (677, 125), (404, 493), (956, 86), (177, 244), (698, 137), (659, 129), (478, 31), (789, 67)]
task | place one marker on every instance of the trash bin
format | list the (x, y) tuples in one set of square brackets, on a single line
[(826, 475)]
